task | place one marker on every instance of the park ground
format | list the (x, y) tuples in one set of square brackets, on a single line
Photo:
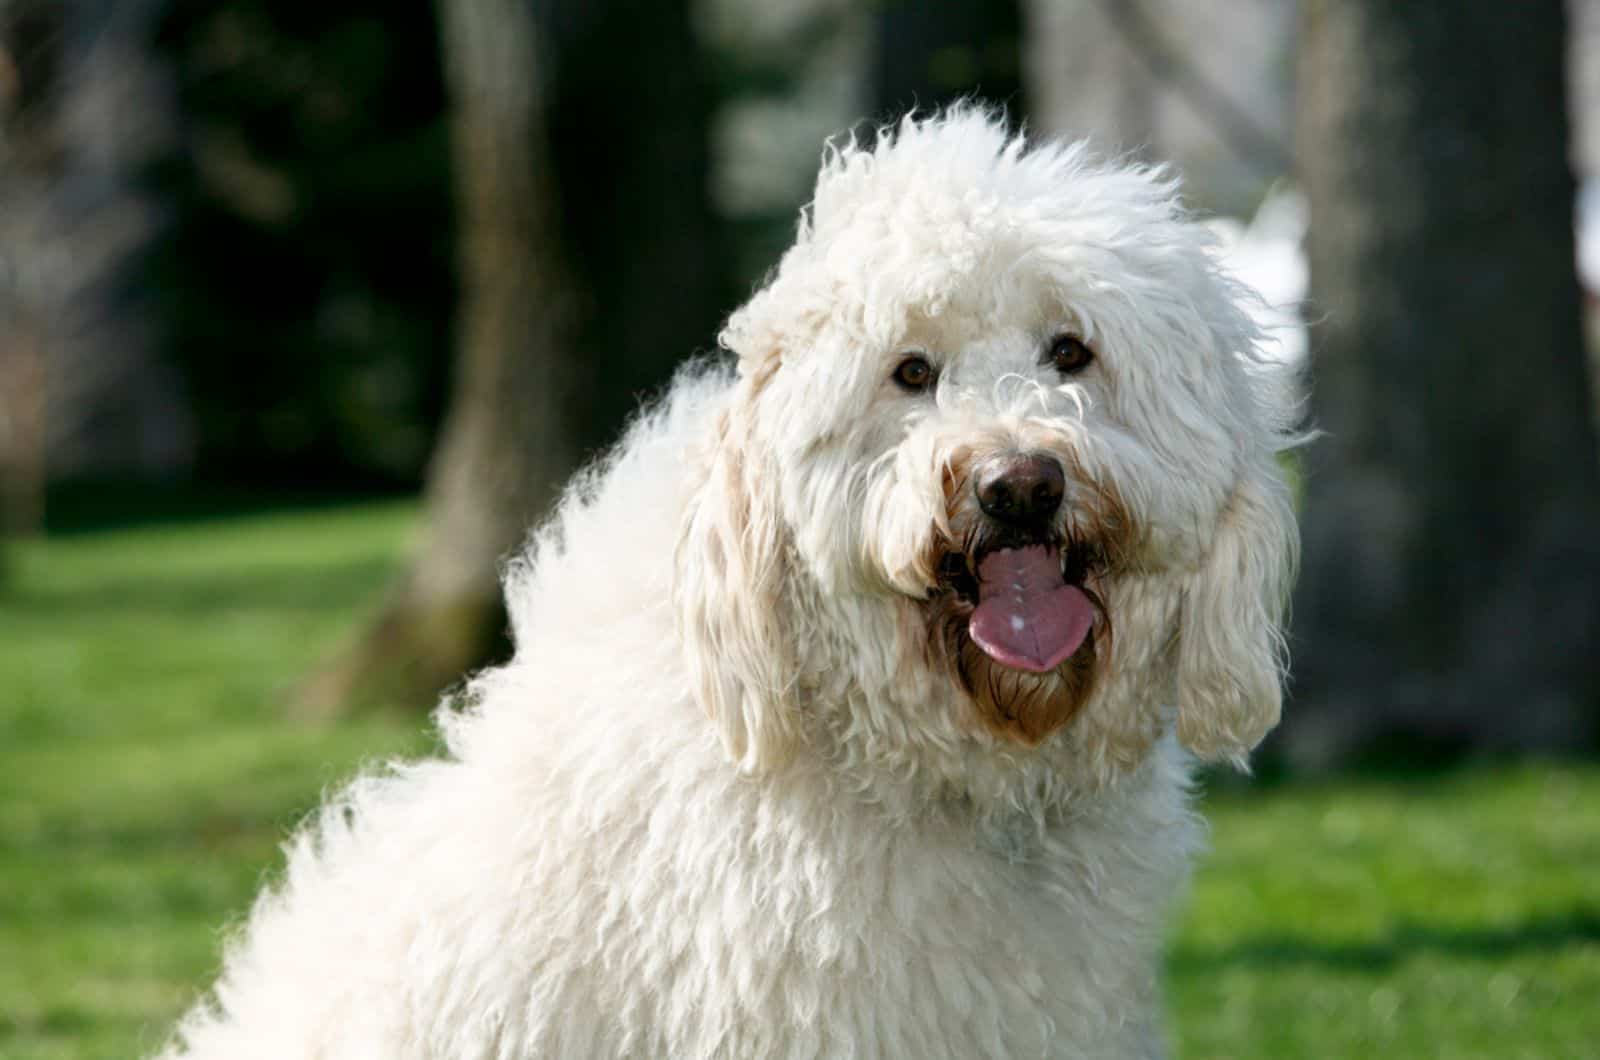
[(147, 777)]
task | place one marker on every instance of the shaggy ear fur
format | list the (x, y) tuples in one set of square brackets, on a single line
[(1231, 650), (730, 570)]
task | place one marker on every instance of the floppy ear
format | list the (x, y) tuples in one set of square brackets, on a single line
[(1232, 654), (728, 585)]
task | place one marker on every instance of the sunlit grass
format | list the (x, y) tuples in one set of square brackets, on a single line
[(146, 777), (1453, 914)]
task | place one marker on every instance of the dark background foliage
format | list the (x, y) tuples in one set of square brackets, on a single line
[(307, 278)]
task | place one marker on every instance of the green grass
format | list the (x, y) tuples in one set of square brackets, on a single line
[(146, 778), (1450, 915)]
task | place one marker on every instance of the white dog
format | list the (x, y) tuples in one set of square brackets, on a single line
[(856, 694)]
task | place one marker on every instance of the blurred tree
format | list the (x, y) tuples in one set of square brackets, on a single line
[(1202, 84), (589, 268), (1451, 584), (83, 385), (930, 55), (30, 38)]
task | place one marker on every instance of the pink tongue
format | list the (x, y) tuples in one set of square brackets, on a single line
[(1027, 617)]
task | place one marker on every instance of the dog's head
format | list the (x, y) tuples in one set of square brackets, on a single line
[(1001, 458)]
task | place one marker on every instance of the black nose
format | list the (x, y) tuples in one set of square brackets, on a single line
[(1020, 488)]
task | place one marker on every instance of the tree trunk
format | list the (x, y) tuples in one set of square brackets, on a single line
[(22, 424), (1450, 595), (30, 43), (85, 113), (588, 271), (506, 442)]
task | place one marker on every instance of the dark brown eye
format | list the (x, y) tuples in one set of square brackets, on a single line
[(1070, 354), (914, 374)]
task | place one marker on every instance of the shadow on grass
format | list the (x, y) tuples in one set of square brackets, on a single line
[(60, 1019), (1580, 926), (1398, 762), (204, 594)]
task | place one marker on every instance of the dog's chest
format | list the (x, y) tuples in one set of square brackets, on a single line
[(982, 941), (1014, 838), (759, 927)]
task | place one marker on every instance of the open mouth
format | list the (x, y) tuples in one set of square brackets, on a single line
[(1030, 607)]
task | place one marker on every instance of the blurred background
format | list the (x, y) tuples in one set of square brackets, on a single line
[(308, 309)]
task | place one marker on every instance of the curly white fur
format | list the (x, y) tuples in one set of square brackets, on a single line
[(849, 858)]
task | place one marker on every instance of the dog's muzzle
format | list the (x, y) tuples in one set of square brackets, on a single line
[(1030, 608)]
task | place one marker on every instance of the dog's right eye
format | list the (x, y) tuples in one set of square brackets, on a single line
[(914, 374)]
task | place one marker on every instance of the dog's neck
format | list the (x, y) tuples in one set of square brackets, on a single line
[(1011, 800), (900, 735)]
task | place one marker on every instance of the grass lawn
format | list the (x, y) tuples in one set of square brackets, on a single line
[(146, 779)]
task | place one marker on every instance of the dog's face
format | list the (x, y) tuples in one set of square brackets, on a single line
[(998, 433)]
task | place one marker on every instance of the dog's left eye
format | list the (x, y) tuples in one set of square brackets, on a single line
[(914, 374), (1070, 354)]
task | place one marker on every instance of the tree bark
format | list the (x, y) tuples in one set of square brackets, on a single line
[(506, 441), (30, 45), (85, 386), (1450, 594), (588, 271)]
